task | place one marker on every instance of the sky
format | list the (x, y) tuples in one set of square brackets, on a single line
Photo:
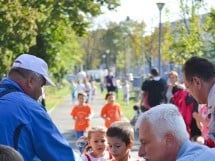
[(144, 10)]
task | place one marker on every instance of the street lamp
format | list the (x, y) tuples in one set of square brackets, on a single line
[(160, 7)]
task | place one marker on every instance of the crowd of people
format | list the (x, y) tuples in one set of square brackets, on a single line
[(170, 119)]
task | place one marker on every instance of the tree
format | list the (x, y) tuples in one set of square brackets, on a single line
[(209, 51), (188, 33), (45, 28)]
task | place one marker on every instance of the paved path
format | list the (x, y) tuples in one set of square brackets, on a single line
[(63, 120)]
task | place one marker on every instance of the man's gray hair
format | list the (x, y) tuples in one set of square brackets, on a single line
[(165, 118)]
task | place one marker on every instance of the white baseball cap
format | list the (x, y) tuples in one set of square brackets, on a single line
[(35, 64)]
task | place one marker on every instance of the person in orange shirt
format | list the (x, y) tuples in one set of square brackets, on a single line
[(81, 114), (111, 111)]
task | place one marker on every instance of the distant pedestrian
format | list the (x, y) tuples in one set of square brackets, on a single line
[(8, 153), (172, 82), (87, 89), (80, 87), (120, 137), (137, 112), (102, 86), (110, 82), (73, 89), (81, 113), (97, 145), (111, 111), (126, 91), (153, 90), (93, 90)]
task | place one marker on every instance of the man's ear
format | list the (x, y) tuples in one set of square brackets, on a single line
[(29, 81), (197, 82), (169, 139)]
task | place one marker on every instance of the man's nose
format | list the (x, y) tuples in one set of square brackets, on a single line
[(141, 152)]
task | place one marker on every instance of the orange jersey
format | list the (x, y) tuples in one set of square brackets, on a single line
[(112, 112), (82, 114)]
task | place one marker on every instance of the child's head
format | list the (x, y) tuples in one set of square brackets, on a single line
[(97, 140), (120, 136), (110, 96), (9, 154), (81, 97)]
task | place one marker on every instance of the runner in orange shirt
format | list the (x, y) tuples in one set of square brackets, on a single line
[(111, 111), (81, 114)]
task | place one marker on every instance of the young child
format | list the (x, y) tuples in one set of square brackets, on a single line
[(8, 153), (111, 111), (120, 138), (93, 90), (126, 91), (96, 149), (136, 109), (81, 114)]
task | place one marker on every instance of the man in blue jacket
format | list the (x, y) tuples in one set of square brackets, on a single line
[(24, 123)]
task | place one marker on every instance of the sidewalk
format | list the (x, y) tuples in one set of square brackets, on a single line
[(64, 122)]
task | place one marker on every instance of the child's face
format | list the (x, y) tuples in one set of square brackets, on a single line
[(118, 148), (81, 99), (111, 98), (98, 143)]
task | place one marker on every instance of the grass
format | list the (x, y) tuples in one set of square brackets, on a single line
[(56, 95), (127, 109)]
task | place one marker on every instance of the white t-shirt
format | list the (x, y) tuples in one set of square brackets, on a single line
[(104, 158)]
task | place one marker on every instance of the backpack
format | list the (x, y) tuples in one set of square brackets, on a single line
[(185, 108)]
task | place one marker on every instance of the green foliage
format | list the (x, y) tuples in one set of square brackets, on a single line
[(188, 35), (56, 95), (127, 110), (18, 30), (121, 40), (210, 29), (48, 29)]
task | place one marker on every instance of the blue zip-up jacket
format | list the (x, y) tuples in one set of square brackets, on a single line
[(38, 135)]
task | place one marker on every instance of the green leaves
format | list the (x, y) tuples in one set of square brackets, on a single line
[(48, 29)]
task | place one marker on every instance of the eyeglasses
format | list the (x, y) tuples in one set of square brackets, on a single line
[(40, 77)]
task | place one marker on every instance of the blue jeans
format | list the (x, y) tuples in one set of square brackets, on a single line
[(79, 134)]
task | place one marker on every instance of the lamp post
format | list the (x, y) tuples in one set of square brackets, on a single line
[(160, 7)]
